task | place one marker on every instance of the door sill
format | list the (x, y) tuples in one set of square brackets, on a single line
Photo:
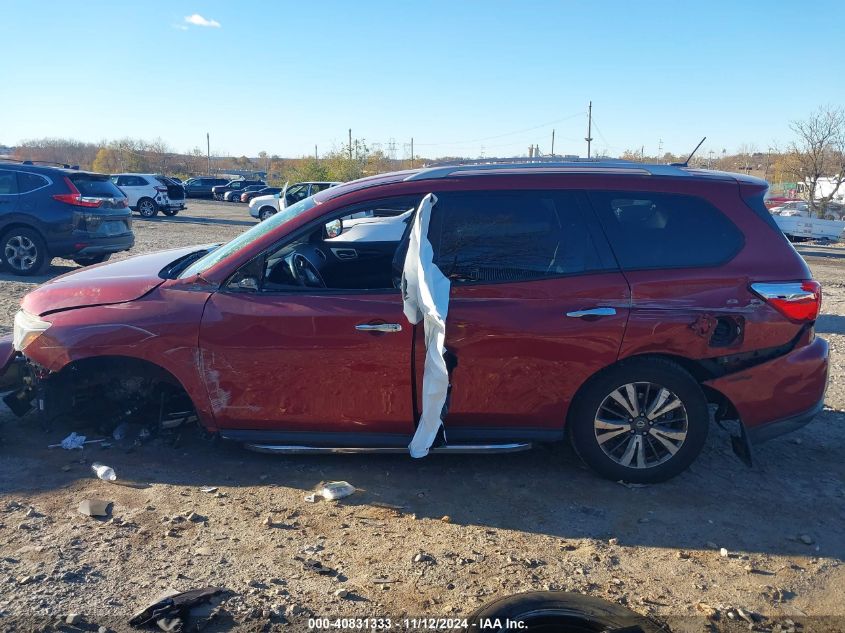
[(463, 449)]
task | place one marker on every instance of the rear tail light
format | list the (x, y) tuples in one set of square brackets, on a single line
[(796, 300), (76, 198), (161, 189)]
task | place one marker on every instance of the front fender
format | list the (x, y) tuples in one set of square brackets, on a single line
[(162, 329)]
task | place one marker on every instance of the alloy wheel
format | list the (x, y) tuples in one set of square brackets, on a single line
[(146, 208), (641, 425), (20, 252)]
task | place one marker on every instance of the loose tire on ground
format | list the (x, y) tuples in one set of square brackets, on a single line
[(642, 421), (170, 212), (557, 612)]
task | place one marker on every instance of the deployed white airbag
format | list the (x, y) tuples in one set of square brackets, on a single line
[(425, 292)]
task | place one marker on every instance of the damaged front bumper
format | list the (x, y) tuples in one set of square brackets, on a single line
[(15, 378)]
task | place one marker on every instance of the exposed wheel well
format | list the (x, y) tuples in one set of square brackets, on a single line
[(19, 225), (117, 387)]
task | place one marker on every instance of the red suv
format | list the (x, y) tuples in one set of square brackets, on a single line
[(621, 304)]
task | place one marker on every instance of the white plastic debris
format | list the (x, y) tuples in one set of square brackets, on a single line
[(425, 292), (106, 473), (73, 441), (336, 490)]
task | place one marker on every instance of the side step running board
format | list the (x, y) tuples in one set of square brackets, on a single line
[(452, 448)]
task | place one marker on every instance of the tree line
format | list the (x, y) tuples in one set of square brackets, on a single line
[(816, 155)]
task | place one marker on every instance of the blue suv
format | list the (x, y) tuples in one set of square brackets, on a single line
[(51, 211)]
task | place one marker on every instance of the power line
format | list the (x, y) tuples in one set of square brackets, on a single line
[(488, 138)]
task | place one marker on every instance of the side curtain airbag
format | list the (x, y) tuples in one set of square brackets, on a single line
[(425, 292)]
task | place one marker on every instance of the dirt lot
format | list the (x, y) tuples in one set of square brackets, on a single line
[(485, 526)]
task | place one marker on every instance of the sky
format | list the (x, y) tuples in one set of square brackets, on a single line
[(462, 77)]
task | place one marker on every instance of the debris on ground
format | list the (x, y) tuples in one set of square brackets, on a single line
[(94, 507), (106, 473), (170, 610), (74, 441), (208, 489), (336, 490)]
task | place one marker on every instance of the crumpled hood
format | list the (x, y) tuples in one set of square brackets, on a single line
[(117, 282)]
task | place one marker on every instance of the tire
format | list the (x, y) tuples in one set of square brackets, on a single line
[(24, 252), (643, 448), (170, 212), (557, 612), (265, 213), (147, 208), (93, 259)]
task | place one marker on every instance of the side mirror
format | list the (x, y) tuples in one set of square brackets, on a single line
[(334, 228)]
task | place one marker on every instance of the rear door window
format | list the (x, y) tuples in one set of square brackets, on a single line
[(501, 236), (665, 230)]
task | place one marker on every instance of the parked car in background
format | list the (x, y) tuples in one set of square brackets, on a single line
[(220, 190), (150, 193), (791, 208), (265, 191), (778, 201), (200, 187), (262, 207), (235, 194), (48, 211), (800, 208), (621, 305)]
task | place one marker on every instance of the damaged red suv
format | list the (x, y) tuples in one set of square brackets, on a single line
[(623, 305)]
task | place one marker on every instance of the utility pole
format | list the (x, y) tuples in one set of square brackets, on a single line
[(589, 137), (659, 149), (553, 142), (350, 143), (208, 152), (412, 151), (315, 153), (642, 154)]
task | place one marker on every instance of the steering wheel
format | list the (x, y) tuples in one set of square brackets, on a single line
[(304, 272)]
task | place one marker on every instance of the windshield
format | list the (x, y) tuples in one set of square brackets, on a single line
[(248, 237)]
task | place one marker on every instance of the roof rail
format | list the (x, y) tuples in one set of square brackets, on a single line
[(576, 166), (38, 162)]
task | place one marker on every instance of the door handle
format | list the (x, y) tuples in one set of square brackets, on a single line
[(379, 327), (593, 312)]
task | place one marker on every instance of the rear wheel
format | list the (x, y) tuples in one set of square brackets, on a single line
[(23, 251), (147, 208), (642, 421), (265, 213)]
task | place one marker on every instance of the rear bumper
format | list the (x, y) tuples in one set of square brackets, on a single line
[(766, 432), (92, 245), (780, 395)]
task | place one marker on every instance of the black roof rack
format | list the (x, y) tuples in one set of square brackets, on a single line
[(40, 162)]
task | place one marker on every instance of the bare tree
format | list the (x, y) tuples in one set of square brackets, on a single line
[(817, 156)]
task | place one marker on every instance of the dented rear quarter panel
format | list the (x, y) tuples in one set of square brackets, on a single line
[(668, 303)]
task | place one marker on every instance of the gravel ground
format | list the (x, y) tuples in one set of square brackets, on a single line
[(436, 537)]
